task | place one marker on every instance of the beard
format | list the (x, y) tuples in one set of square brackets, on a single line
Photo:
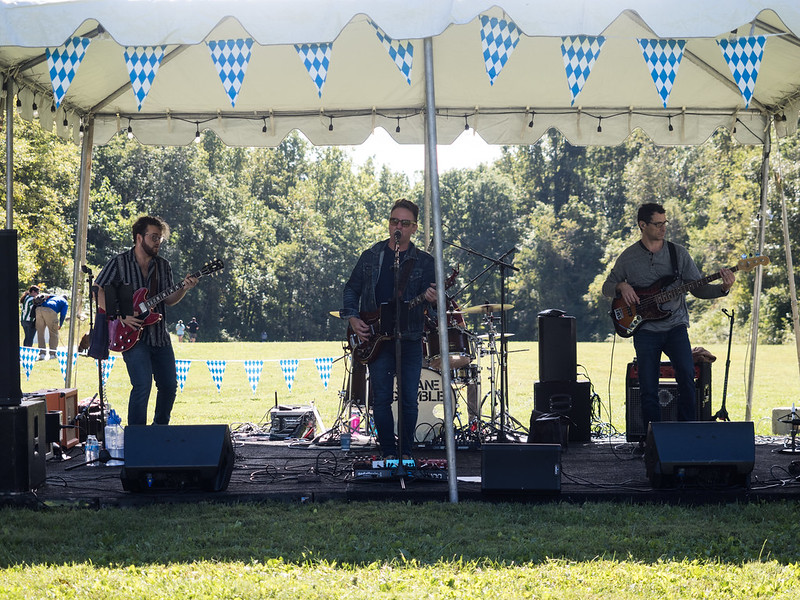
[(150, 250)]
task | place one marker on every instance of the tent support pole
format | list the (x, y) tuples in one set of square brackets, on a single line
[(9, 153), (766, 148), (432, 169), (787, 244), (80, 243)]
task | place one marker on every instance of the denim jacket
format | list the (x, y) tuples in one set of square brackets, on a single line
[(359, 291)]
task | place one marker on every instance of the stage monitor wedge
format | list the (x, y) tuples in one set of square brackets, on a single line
[(163, 458), (521, 467)]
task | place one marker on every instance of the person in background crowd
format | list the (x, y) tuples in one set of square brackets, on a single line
[(180, 329), (28, 314), (193, 327), (50, 314)]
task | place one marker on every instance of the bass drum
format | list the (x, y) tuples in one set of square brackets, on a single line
[(460, 347), (430, 400)]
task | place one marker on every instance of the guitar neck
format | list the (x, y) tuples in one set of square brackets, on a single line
[(158, 298), (688, 287)]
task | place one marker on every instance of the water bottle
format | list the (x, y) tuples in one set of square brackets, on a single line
[(115, 439), (91, 451), (355, 419)]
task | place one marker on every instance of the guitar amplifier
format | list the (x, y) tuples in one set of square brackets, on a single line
[(290, 422), (636, 430), (66, 402)]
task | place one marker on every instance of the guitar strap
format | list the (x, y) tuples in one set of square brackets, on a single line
[(673, 256)]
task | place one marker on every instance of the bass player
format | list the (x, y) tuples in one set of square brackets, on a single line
[(372, 284), (152, 358), (639, 267)]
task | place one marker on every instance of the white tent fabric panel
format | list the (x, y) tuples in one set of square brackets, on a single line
[(364, 88)]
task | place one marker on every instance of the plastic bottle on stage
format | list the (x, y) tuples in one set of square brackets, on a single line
[(355, 419), (115, 439), (91, 451)]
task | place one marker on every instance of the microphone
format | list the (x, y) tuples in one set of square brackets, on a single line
[(86, 269), (397, 236)]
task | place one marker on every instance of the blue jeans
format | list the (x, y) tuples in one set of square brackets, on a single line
[(145, 364), (29, 327), (675, 344), (381, 377)]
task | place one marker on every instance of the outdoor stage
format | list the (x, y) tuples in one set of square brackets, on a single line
[(609, 469)]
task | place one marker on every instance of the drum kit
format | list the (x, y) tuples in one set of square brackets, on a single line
[(476, 360)]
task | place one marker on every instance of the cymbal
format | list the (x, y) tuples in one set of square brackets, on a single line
[(485, 336), (485, 308)]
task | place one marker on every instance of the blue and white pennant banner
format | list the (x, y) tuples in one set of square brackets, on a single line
[(498, 40), (181, 371), (217, 370), (401, 53), (142, 63), (231, 58), (316, 59), (289, 368), (743, 56), (663, 57), (252, 369), (579, 52), (63, 63), (61, 354), (324, 368), (27, 358), (108, 364)]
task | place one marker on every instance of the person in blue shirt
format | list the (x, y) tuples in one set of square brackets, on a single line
[(50, 314)]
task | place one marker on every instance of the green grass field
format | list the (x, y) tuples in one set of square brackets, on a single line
[(775, 383)]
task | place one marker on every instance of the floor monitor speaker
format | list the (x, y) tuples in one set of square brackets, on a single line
[(700, 454), (521, 467), (162, 458), (23, 446)]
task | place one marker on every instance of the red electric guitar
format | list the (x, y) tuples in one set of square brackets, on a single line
[(627, 319), (121, 337)]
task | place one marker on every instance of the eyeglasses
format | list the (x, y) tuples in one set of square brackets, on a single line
[(155, 237), (659, 224), (404, 222)]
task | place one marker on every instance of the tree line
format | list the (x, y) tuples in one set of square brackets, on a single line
[(289, 223)]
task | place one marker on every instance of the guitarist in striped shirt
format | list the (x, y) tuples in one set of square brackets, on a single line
[(647, 264), (371, 285)]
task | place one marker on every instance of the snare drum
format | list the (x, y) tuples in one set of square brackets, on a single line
[(460, 347), (465, 375)]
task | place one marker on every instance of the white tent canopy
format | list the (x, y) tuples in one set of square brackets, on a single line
[(254, 70), (364, 88)]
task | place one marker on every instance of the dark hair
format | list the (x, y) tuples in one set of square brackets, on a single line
[(142, 223), (408, 205), (646, 211), (29, 292)]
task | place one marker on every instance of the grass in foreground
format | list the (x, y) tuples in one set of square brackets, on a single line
[(400, 550)]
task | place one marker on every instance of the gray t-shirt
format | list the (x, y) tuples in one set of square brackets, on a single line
[(642, 269)]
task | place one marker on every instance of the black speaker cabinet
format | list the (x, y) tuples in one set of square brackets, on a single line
[(558, 348), (521, 467), (700, 454), (10, 390), (23, 446), (162, 458), (635, 429), (569, 398)]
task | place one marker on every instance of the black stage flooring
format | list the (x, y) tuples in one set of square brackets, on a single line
[(605, 469)]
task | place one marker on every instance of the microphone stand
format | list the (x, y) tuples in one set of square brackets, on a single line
[(100, 389), (722, 413), (398, 359), (503, 266)]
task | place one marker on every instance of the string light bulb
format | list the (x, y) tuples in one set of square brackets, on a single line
[(397, 129), (466, 123), (330, 125), (130, 130), (197, 132), (530, 123), (670, 127), (264, 128), (599, 124), (35, 108)]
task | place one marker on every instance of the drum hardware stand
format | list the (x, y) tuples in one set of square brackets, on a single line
[(722, 413)]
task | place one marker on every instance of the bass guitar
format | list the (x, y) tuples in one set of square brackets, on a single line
[(365, 351), (627, 319), (121, 337)]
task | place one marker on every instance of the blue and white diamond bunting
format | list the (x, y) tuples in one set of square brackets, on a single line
[(27, 358), (217, 370), (663, 57), (579, 53), (743, 56), (401, 53), (498, 40), (142, 63), (61, 354), (108, 364), (231, 58), (316, 59), (253, 370), (181, 371), (63, 63), (289, 368), (324, 368)]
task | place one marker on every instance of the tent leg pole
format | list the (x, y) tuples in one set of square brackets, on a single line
[(80, 245), (9, 153), (432, 170), (748, 413)]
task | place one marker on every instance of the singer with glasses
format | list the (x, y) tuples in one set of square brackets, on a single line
[(371, 285)]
